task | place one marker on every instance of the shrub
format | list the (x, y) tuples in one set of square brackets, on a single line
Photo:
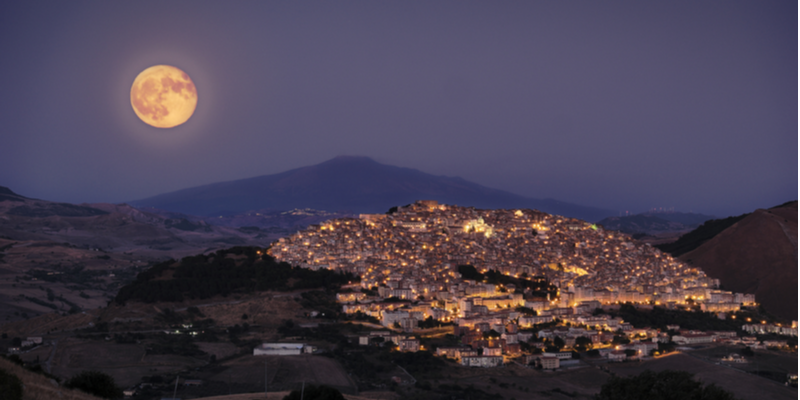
[(96, 383), (10, 386), (312, 392)]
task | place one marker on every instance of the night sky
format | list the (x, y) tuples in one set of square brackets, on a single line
[(620, 105)]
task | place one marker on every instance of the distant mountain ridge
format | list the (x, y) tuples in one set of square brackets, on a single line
[(348, 183), (651, 223)]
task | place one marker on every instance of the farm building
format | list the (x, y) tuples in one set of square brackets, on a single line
[(482, 361), (278, 349)]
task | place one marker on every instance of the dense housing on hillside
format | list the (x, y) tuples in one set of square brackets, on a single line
[(415, 254)]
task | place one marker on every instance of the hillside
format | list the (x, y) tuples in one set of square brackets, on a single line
[(421, 247), (39, 387), (354, 184), (757, 254), (238, 269), (67, 258)]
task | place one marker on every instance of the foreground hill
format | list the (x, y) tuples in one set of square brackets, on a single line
[(37, 386), (356, 184), (757, 254)]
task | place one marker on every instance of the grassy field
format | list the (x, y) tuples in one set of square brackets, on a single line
[(743, 385), (281, 395), (767, 363), (126, 363), (285, 372)]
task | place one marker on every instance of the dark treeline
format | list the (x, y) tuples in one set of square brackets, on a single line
[(539, 285), (204, 276)]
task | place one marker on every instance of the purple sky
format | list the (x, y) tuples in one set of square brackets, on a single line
[(621, 105)]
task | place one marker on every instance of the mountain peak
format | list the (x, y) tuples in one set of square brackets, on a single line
[(357, 184), (339, 160)]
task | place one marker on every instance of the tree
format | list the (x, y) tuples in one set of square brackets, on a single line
[(620, 340), (377, 340), (96, 383), (559, 342), (10, 386), (312, 392), (664, 385), (582, 343), (493, 334)]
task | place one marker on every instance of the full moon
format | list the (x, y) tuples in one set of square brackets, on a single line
[(163, 96)]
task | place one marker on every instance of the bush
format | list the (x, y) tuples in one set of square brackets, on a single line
[(10, 386), (312, 392), (96, 383)]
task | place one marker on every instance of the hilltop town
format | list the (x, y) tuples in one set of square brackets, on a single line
[(412, 263)]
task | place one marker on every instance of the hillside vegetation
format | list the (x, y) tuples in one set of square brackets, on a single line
[(238, 269)]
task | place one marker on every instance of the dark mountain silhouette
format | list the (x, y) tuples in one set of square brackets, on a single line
[(756, 254), (653, 223), (633, 224), (688, 219), (355, 184), (7, 195)]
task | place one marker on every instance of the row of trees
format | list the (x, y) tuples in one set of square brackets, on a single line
[(660, 317)]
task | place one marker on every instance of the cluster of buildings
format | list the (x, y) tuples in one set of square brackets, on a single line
[(28, 343), (415, 252), (765, 328), (282, 349), (408, 264)]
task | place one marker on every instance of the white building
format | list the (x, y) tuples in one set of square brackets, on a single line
[(278, 349), (693, 339), (482, 361)]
